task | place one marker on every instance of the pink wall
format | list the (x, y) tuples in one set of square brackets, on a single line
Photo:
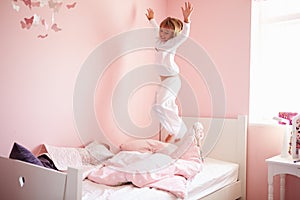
[(259, 149), (38, 76), (223, 28), (265, 141)]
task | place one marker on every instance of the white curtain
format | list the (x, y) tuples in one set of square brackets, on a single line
[(275, 59)]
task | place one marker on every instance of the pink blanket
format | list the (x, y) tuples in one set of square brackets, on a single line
[(151, 168)]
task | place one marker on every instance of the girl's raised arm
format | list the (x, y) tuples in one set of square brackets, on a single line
[(187, 11)]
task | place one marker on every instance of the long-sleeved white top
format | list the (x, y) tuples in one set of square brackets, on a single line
[(165, 51)]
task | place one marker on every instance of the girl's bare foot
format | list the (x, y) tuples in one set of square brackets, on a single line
[(169, 138)]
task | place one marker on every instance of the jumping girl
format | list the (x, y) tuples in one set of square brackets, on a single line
[(172, 32)]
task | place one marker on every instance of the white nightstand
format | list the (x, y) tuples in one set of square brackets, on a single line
[(282, 166)]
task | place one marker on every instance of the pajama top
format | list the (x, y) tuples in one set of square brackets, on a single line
[(165, 51)]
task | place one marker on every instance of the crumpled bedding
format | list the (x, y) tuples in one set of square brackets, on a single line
[(151, 169), (86, 159), (163, 167)]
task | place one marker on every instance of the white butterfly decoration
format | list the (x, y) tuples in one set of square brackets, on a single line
[(15, 6), (54, 6)]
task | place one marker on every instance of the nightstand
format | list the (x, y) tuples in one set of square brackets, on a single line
[(282, 166)]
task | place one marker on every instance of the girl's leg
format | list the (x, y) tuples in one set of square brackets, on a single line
[(167, 109)]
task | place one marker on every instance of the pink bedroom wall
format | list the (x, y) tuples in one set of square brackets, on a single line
[(222, 28), (264, 141), (38, 75)]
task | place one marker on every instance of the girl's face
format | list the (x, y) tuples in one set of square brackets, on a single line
[(165, 33)]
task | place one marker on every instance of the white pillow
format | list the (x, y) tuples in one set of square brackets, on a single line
[(99, 151)]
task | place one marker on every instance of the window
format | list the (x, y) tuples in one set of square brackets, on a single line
[(275, 59)]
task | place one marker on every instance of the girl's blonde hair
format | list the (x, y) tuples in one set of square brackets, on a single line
[(172, 23)]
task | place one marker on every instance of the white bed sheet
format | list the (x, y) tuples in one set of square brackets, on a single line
[(216, 174)]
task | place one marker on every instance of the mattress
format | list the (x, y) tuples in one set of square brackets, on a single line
[(215, 175)]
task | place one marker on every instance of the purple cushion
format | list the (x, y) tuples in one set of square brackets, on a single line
[(19, 152), (47, 162)]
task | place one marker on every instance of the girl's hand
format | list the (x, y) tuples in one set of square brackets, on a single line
[(187, 11), (150, 14)]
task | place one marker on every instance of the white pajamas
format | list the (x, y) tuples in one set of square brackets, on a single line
[(165, 106)]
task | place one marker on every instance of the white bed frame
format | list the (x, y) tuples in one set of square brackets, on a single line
[(231, 145), (20, 180)]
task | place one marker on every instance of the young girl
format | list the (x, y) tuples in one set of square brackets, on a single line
[(172, 33)]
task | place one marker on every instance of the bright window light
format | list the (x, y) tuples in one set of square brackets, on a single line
[(275, 59)]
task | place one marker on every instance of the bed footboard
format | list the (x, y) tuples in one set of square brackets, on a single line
[(21, 180)]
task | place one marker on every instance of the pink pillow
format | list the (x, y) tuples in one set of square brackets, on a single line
[(148, 145)]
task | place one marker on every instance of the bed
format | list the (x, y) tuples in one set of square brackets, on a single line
[(224, 150)]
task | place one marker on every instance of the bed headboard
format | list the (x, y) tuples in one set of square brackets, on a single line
[(225, 139)]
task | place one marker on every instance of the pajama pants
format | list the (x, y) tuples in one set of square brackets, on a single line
[(166, 108)]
